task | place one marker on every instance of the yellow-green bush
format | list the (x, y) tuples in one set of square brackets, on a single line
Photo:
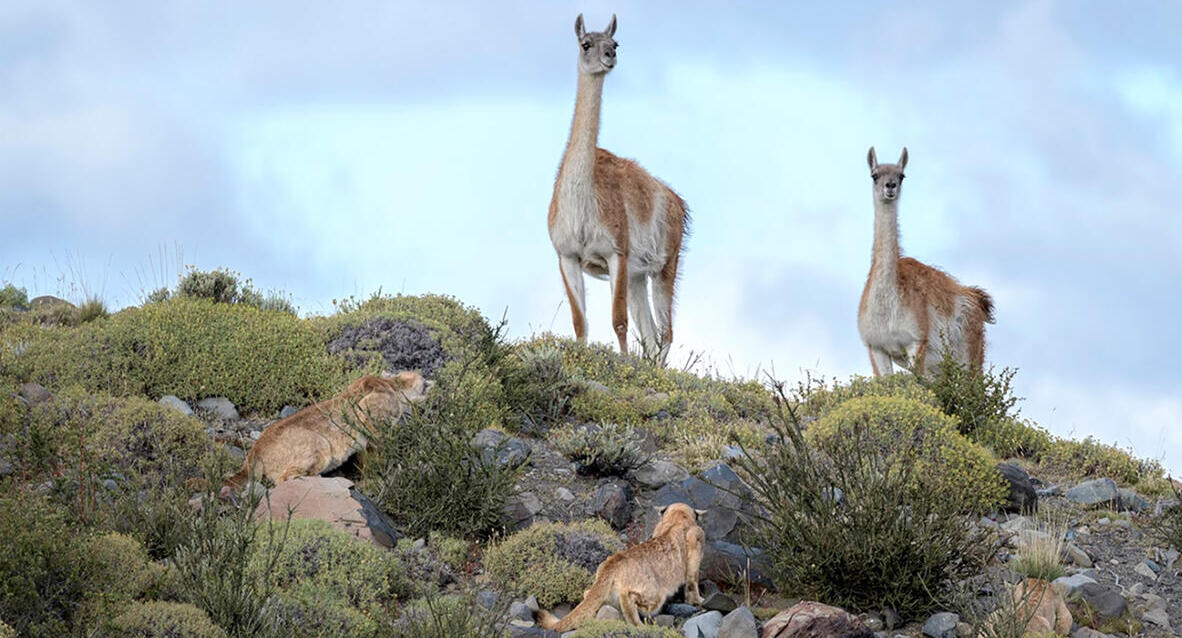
[(621, 629), (1008, 438), (192, 348), (452, 551), (6, 631), (318, 563), (158, 619), (910, 432), (817, 398), (554, 561), (1090, 457)]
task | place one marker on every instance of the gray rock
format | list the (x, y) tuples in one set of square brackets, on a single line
[(220, 407), (740, 623), (1018, 523), (510, 452), (720, 492), (703, 626), (657, 473), (486, 598), (1083, 631), (722, 560), (519, 510), (664, 620), (941, 625), (607, 612), (1078, 556), (532, 603), (1157, 616), (287, 411), (1132, 501), (680, 610), (34, 393), (520, 611), (1070, 586), (1107, 602), (174, 402), (595, 386), (891, 619), (719, 601), (564, 494), (1143, 570), (1094, 493), (6, 467), (613, 502), (1022, 496)]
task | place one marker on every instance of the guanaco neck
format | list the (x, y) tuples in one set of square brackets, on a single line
[(578, 162), (884, 264)]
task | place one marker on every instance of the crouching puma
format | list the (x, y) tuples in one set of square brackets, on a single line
[(321, 437), (641, 578), (1041, 608)]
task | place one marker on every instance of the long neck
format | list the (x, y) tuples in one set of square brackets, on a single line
[(584, 130), (885, 261)]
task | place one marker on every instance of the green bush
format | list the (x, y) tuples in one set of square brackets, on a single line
[(159, 619), (905, 431), (620, 629), (92, 309), (13, 297), (600, 450), (1166, 527), (6, 631), (192, 348), (454, 552), (974, 398), (817, 398), (554, 561), (448, 617), (1010, 438), (1089, 457), (323, 565), (539, 388), (851, 515)]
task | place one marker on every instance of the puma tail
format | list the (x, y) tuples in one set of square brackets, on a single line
[(592, 601)]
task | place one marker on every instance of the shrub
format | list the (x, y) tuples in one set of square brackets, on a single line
[(620, 629), (394, 344), (1090, 458), (13, 297), (975, 398), (817, 398), (1010, 437), (853, 522), (947, 465), (318, 563), (225, 286), (600, 450), (424, 472), (158, 619), (554, 561), (1166, 527), (192, 348), (448, 617), (454, 552), (539, 388), (306, 615), (6, 631), (92, 309)]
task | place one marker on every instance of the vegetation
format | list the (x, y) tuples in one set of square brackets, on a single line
[(448, 617), (852, 517), (974, 398), (600, 450), (13, 297), (540, 388), (1040, 554), (554, 561), (223, 286), (1166, 527), (620, 629), (160, 619)]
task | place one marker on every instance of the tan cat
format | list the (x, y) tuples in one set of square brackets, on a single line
[(641, 578), (1041, 607), (321, 437)]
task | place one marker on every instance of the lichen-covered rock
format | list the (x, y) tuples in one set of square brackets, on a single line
[(1094, 493)]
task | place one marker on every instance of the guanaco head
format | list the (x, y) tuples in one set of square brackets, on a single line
[(888, 178), (597, 51)]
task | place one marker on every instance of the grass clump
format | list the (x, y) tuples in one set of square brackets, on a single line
[(161, 619), (851, 517), (554, 561), (1040, 555), (600, 450), (947, 465), (621, 629), (1166, 527), (448, 617)]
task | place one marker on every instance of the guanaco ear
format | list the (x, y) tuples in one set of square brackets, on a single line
[(872, 159), (579, 30), (611, 27), (903, 159)]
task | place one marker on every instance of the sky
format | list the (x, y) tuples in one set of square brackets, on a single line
[(334, 149)]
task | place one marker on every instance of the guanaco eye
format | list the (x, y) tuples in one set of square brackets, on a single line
[(586, 45)]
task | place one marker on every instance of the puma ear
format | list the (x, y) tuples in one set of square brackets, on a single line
[(579, 30), (699, 513), (903, 159), (661, 509), (872, 159)]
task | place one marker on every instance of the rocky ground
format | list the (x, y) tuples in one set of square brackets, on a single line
[(1113, 568)]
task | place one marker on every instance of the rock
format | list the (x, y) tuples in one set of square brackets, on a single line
[(941, 625), (1018, 523), (34, 393), (680, 610), (1078, 556), (607, 612), (719, 601), (595, 386), (532, 603), (808, 618), (707, 587), (329, 499), (564, 495), (6, 467), (1157, 616), (656, 474), (287, 411), (703, 626), (613, 503), (1132, 501), (508, 451), (664, 620), (1143, 570), (720, 492), (519, 510), (1083, 631), (1069, 586), (964, 630), (46, 301), (1107, 602), (520, 611), (174, 402), (740, 623), (722, 560), (486, 598), (1094, 493), (1029, 537), (220, 407), (1022, 496), (891, 619)]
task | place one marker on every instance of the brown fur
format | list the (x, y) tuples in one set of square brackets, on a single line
[(641, 578), (321, 437), (1041, 607)]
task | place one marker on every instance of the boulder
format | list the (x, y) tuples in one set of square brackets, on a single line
[(740, 623), (680, 610), (1077, 555), (1022, 497), (724, 561), (174, 402), (508, 451), (1107, 602), (720, 492), (613, 503), (657, 473), (1132, 501), (34, 393), (1094, 493), (287, 411), (808, 618), (519, 510), (329, 499), (220, 407), (703, 625), (607, 612), (719, 601), (941, 625)]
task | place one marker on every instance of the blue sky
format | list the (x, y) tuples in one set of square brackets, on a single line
[(332, 150)]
